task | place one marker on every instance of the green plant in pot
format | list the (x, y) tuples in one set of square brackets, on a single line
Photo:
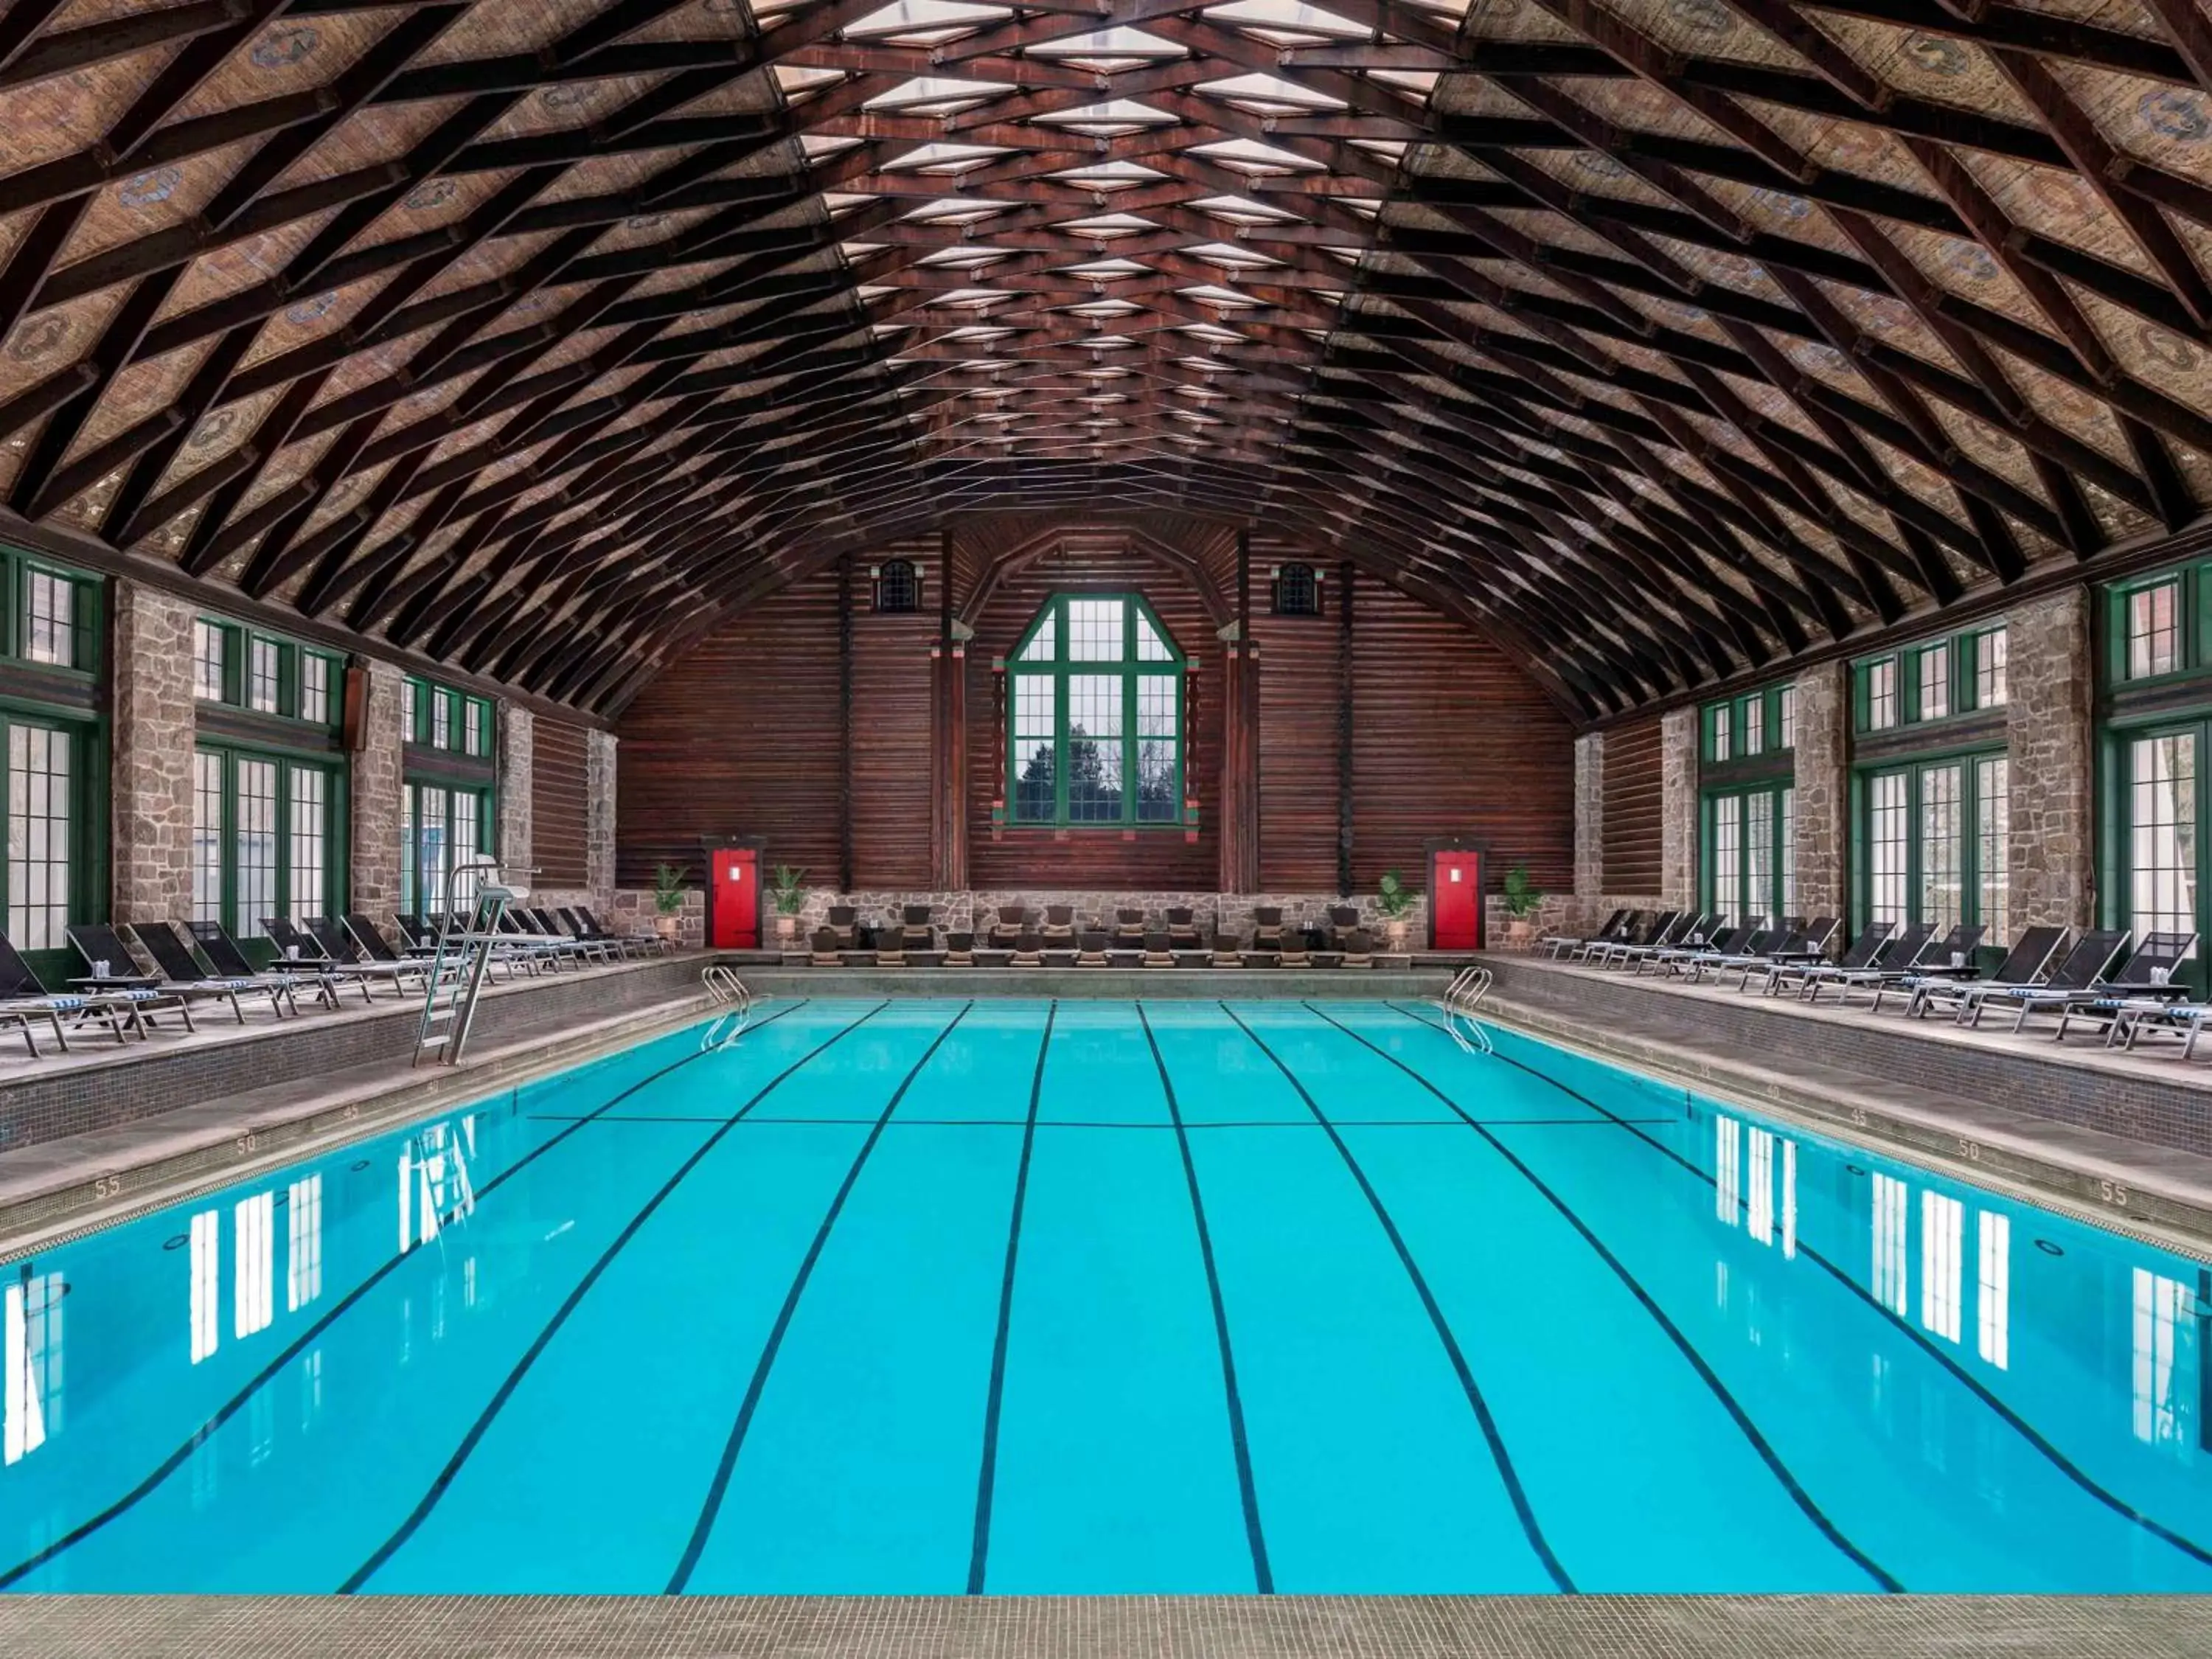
[(786, 890), (1522, 895), (668, 890), (1394, 900)]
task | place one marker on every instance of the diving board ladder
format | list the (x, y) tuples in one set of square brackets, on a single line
[(462, 960)]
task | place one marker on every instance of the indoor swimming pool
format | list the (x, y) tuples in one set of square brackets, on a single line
[(1003, 1297)]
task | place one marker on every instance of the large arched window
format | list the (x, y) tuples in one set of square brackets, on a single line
[(1096, 699)]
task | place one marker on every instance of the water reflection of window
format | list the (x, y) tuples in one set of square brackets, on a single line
[(303, 1261), (434, 1186), (253, 1292), (2165, 1335), (1764, 1189), (1891, 1222), (1993, 1293), (1728, 1168), (1943, 1225), (31, 1404), (207, 1283)]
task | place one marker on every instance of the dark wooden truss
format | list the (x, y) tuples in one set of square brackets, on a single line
[(1660, 339)]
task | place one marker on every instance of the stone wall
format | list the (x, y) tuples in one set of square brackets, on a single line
[(2050, 704), (1678, 855), (1224, 912), (377, 782), (154, 724), (1589, 823), (1822, 827), (516, 795), (600, 825)]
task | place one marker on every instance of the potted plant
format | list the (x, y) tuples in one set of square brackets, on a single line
[(1522, 895), (1393, 899), (786, 890), (667, 899)]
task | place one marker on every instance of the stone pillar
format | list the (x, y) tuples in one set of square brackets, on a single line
[(599, 820), (154, 722), (377, 782), (1822, 830), (1589, 829), (2050, 705), (1678, 808), (516, 750)]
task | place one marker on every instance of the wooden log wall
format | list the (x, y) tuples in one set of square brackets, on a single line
[(560, 804), (1629, 844), (743, 735)]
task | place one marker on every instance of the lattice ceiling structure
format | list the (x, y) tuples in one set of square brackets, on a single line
[(1661, 339)]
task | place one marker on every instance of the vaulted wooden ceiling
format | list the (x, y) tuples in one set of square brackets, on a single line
[(1661, 339)]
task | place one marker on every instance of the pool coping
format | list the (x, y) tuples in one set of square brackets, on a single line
[(1108, 1627), (2153, 1194), (55, 1191)]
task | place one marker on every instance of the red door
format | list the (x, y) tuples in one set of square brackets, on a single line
[(1456, 901), (733, 914)]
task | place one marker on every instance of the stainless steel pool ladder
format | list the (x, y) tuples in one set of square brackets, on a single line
[(1466, 992), (721, 982), (459, 965)]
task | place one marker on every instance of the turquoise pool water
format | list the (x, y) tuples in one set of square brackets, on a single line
[(1092, 1296)]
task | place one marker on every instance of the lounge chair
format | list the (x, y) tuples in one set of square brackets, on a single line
[(342, 955), (1297, 949), (1013, 921), (1900, 957), (890, 948), (2135, 1020), (542, 921), (578, 926), (222, 954), (2147, 978), (960, 949), (1227, 952), (1182, 928), (368, 939), (1861, 953), (1553, 943), (1359, 948), (180, 970), (825, 951), (1809, 950), (1672, 927), (1808, 942), (1679, 958), (1266, 930), (1702, 935), (1159, 951), (1029, 950), (660, 944), (1936, 979), (2085, 966), (1090, 949), (24, 1000), (524, 944), (1625, 927), (1059, 927), (1129, 927)]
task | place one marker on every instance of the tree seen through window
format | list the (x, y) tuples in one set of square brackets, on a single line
[(1095, 736)]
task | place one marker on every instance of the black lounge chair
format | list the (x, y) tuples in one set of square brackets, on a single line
[(2083, 968), (1694, 939), (1860, 954), (24, 998), (2147, 979), (542, 921), (1680, 958), (1129, 926), (1059, 923), (1029, 950), (1013, 921), (891, 946), (368, 939), (1900, 954), (1182, 928), (1090, 949), (182, 970), (1160, 949), (1266, 931), (1359, 948), (222, 954), (1625, 929), (1297, 949), (1933, 982), (960, 949), (652, 939), (1553, 944), (1671, 927), (825, 953)]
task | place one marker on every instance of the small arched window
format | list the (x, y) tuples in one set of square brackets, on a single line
[(1297, 590), (898, 587)]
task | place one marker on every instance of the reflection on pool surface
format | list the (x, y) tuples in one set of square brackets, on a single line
[(1095, 1296)]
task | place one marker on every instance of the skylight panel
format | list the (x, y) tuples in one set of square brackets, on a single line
[(1286, 14), (937, 14), (1119, 42), (946, 158), (1248, 155), (1273, 89), (934, 89)]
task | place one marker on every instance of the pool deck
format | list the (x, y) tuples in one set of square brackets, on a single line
[(2123, 1140), (1108, 1627)]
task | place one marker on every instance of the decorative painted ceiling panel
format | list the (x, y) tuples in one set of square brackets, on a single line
[(1661, 339)]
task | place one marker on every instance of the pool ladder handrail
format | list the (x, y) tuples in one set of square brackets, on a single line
[(459, 963), (721, 982), (1468, 987)]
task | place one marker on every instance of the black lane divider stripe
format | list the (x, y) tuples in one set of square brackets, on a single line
[(2034, 1437), (1688, 1350), (718, 1489), (756, 1119), (300, 1344), (1262, 1574), (979, 1550), (1499, 1455), (477, 1429)]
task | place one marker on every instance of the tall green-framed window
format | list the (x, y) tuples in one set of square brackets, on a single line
[(1094, 716), (1749, 863), (443, 826), (1933, 842), (1960, 674), (53, 748), (265, 839)]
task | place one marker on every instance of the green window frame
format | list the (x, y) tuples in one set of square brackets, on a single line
[(267, 674), (1094, 701), (1931, 681), (443, 824), (438, 716), (1748, 726), (1747, 858), (56, 823), (269, 838), (1932, 842), (49, 615), (2159, 800)]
